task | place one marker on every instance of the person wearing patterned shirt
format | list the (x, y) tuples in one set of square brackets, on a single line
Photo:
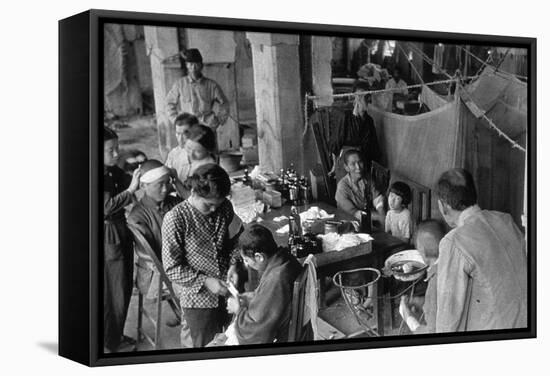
[(118, 192), (197, 251), (197, 94)]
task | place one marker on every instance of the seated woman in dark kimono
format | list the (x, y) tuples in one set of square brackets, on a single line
[(263, 316)]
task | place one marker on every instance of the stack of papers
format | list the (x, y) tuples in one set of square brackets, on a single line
[(244, 202)]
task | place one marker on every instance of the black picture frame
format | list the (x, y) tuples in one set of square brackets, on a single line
[(80, 106)]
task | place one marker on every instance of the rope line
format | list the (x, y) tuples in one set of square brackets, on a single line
[(428, 60), (363, 93), (486, 63), (493, 126)]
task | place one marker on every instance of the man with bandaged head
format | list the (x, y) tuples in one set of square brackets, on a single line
[(147, 216)]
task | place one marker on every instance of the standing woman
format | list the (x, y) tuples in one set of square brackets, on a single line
[(118, 192), (197, 251)]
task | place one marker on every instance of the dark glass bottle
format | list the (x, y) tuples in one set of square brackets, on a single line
[(294, 222), (246, 179), (366, 216), (366, 220)]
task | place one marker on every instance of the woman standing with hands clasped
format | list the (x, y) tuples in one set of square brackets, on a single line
[(118, 192), (197, 250)]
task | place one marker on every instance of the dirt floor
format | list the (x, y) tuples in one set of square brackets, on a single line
[(138, 133)]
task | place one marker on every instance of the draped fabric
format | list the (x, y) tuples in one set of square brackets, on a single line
[(419, 147), (423, 146), (113, 55), (121, 85), (337, 127), (498, 169), (431, 99), (503, 98)]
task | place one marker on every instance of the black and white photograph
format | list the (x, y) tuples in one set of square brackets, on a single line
[(272, 188), (275, 188)]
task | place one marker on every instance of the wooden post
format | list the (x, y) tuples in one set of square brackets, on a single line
[(161, 43), (321, 58), (279, 104)]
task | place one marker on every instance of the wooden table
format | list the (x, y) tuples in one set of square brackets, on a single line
[(330, 263)]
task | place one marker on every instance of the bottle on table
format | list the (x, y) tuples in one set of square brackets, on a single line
[(305, 191), (366, 220), (366, 215), (246, 178), (283, 185)]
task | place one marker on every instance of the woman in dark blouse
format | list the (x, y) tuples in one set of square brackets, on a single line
[(118, 192)]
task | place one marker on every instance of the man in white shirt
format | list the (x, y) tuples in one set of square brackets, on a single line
[(178, 158)]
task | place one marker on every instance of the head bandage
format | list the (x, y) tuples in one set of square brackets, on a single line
[(154, 174)]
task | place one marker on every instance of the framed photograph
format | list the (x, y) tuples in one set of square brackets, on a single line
[(279, 188)]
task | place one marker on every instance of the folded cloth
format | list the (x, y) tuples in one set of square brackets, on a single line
[(280, 219), (283, 230), (334, 242)]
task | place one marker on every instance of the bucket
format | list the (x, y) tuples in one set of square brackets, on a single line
[(230, 161)]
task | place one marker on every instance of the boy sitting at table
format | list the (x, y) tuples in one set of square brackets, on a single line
[(428, 235), (263, 315)]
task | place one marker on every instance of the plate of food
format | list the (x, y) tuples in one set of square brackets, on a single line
[(406, 265)]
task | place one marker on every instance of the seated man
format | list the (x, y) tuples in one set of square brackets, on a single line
[(428, 235), (263, 316), (356, 193), (147, 215)]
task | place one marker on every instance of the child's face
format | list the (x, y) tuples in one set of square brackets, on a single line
[(195, 150), (395, 201), (181, 134), (110, 152)]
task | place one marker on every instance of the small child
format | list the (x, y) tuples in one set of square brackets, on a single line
[(398, 218), (428, 235)]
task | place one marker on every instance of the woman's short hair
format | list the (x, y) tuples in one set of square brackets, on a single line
[(257, 239), (403, 190), (457, 189), (109, 134), (186, 119), (203, 135), (209, 181)]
